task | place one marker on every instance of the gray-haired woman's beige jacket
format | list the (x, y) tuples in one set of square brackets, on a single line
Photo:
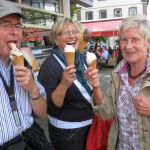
[(107, 110)]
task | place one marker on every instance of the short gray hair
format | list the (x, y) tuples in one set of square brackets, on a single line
[(137, 21)]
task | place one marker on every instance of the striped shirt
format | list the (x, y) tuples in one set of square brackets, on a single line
[(8, 128)]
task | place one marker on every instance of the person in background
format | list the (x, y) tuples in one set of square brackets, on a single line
[(110, 51), (127, 100), (20, 94), (105, 54), (69, 95)]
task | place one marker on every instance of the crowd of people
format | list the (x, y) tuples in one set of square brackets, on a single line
[(70, 95), (103, 53)]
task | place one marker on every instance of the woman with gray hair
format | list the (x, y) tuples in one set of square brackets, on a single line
[(68, 93), (127, 100)]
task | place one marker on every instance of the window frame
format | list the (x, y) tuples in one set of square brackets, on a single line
[(100, 11), (87, 15), (117, 9), (129, 11)]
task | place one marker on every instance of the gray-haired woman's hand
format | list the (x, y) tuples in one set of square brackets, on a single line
[(142, 105)]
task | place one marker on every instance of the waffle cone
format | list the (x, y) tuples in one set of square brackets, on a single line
[(18, 60), (35, 66), (82, 46), (30, 59), (93, 64), (70, 57)]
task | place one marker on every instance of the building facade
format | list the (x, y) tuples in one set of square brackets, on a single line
[(104, 18), (41, 15)]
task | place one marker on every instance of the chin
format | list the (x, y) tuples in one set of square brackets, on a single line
[(130, 61)]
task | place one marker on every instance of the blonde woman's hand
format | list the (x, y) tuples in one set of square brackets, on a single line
[(69, 75), (93, 78)]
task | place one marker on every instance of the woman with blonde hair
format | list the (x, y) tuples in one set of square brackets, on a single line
[(68, 93)]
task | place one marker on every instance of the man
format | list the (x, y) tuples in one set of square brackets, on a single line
[(105, 54), (29, 95)]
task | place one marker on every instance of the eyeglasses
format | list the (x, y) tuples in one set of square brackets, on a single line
[(67, 33), (9, 26)]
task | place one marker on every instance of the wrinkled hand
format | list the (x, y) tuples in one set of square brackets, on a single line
[(69, 75), (142, 105), (93, 77), (24, 78)]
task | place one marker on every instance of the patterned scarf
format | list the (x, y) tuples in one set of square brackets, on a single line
[(80, 67)]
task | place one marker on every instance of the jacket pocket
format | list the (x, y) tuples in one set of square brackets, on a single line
[(146, 133)]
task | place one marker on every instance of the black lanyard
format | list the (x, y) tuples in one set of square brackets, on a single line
[(10, 89), (11, 95)]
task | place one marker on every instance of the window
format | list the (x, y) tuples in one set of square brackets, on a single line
[(132, 11), (117, 12), (36, 4), (103, 14), (52, 5), (89, 15)]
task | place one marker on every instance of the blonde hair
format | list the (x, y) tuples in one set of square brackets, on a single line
[(137, 21), (59, 25)]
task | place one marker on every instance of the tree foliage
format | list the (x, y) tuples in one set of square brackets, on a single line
[(73, 10)]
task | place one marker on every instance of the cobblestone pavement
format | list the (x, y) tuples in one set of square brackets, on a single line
[(104, 78)]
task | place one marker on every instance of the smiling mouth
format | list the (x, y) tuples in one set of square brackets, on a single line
[(71, 43)]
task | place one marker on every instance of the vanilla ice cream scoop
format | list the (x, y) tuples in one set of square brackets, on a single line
[(91, 60), (69, 53), (16, 55), (15, 51), (69, 48)]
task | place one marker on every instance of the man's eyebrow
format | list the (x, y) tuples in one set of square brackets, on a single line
[(8, 21), (4, 21)]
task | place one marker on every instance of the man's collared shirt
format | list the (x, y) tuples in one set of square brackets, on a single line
[(8, 128)]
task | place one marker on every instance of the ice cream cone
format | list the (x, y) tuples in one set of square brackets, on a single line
[(93, 64), (69, 53), (84, 38), (91, 60), (30, 58), (82, 45), (18, 60), (35, 66), (70, 57)]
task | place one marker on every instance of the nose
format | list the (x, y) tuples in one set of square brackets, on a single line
[(129, 44), (14, 30), (70, 34)]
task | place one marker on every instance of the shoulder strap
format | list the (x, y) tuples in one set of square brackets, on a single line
[(11, 95)]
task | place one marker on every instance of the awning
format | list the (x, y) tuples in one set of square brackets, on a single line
[(103, 28), (35, 34)]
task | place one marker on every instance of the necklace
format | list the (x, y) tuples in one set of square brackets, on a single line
[(138, 75)]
